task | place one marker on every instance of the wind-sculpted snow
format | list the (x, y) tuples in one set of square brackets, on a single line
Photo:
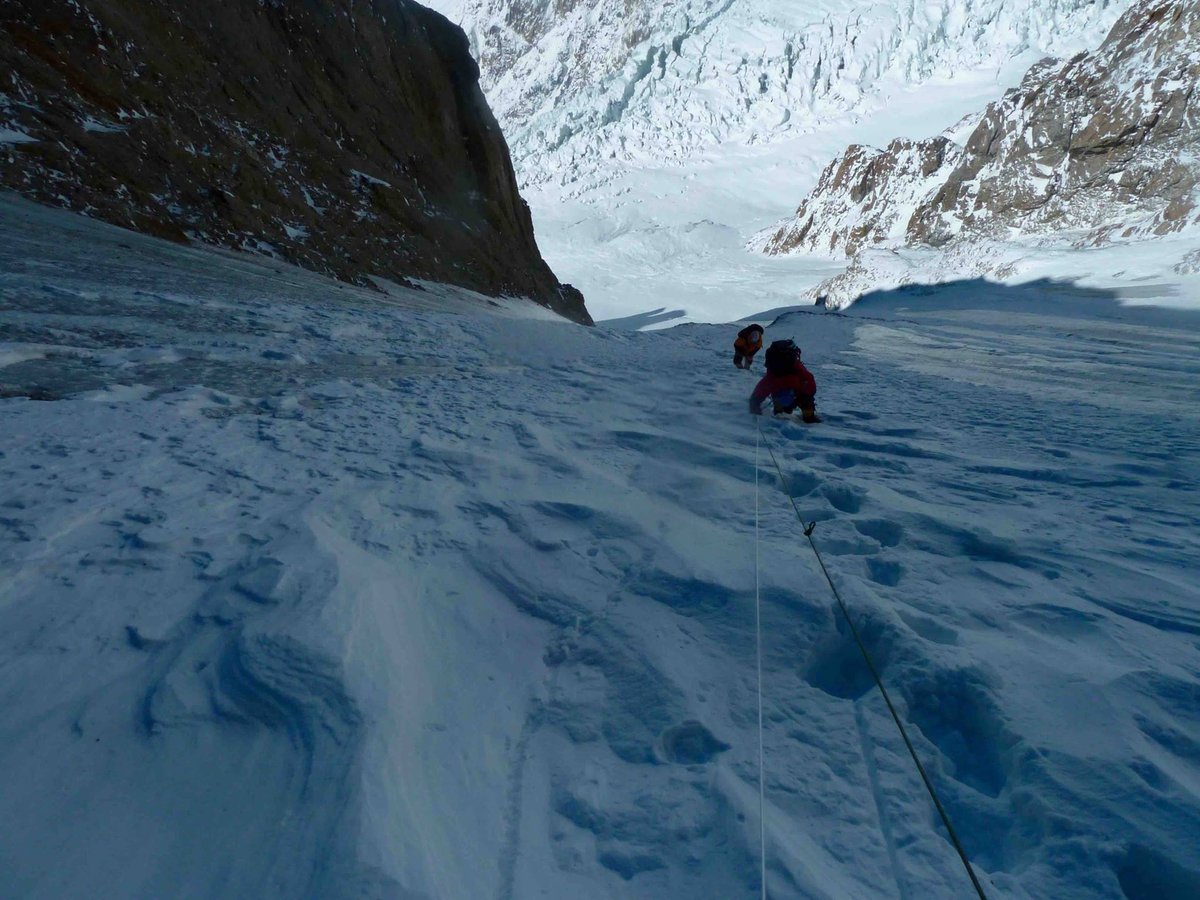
[(307, 591), (582, 85)]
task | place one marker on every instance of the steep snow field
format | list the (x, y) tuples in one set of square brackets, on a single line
[(655, 138), (306, 591)]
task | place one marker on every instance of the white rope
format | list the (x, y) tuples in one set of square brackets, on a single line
[(762, 804)]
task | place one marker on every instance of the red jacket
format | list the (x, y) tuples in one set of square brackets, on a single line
[(801, 385)]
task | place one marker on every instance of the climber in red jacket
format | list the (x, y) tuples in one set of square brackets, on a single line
[(787, 382)]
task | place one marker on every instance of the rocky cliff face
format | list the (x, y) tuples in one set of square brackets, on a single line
[(347, 136), (1101, 147), (866, 196)]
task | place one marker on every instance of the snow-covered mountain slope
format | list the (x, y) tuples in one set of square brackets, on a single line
[(1097, 149), (309, 592), (655, 138)]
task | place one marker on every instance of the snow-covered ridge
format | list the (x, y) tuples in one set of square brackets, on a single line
[(577, 86), (847, 209)]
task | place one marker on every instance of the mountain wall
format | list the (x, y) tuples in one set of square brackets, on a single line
[(1101, 147), (347, 136)]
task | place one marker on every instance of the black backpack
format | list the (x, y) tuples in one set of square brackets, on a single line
[(781, 357)]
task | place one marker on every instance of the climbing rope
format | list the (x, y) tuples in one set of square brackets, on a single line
[(808, 529), (762, 803)]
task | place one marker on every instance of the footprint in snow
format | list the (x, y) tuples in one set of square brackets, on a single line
[(690, 744), (930, 629), (843, 498), (887, 533), (885, 572)]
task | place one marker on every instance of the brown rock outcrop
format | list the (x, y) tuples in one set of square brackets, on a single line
[(1100, 147), (855, 204), (346, 136)]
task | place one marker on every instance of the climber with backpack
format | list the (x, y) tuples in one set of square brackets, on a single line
[(787, 382), (749, 341)]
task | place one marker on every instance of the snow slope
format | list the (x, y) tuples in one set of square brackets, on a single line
[(308, 591)]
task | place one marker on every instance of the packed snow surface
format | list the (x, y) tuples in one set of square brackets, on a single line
[(310, 591)]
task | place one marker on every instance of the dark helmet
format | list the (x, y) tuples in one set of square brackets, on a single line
[(782, 357)]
